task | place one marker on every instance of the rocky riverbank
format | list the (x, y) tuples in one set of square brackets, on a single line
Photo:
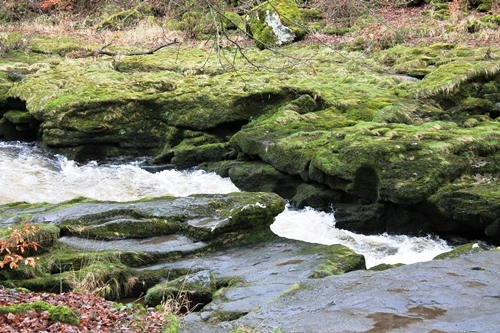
[(390, 151), (396, 129)]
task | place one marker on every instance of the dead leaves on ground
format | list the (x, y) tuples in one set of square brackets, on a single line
[(96, 315)]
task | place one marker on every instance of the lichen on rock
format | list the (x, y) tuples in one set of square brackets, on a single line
[(275, 23)]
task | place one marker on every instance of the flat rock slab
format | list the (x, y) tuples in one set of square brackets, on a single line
[(158, 245), (266, 270), (451, 295)]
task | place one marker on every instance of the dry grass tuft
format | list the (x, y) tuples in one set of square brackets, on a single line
[(178, 305)]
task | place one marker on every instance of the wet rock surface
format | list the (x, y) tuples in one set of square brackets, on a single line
[(258, 274), (162, 245), (451, 295), (198, 217)]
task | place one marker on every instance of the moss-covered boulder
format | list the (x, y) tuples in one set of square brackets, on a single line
[(255, 176), (339, 259), (473, 202), (120, 20), (189, 292), (275, 22), (462, 250)]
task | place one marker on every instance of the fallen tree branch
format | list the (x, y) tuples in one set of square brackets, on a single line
[(101, 51)]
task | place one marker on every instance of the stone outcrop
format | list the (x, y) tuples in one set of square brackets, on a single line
[(391, 144), (130, 234), (194, 250)]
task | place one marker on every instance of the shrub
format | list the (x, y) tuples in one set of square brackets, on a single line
[(14, 246)]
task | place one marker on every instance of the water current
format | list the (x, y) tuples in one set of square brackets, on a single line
[(31, 175)]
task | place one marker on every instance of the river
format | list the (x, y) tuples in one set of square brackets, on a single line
[(29, 174)]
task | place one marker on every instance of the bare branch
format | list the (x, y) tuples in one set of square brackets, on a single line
[(101, 50)]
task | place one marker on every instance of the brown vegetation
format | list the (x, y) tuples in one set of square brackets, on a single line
[(95, 314), (13, 247)]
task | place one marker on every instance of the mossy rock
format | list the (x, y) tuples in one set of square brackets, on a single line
[(448, 77), (196, 288), (257, 176), (383, 267), (120, 20), (201, 217), (50, 283), (110, 280), (190, 156), (233, 21), (411, 112), (408, 163), (45, 235), (474, 202), (480, 5), (461, 250), (316, 196), (339, 259), (107, 279), (275, 23), (133, 228), (59, 268), (19, 117)]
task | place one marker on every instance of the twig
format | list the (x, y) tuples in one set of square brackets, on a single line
[(101, 50)]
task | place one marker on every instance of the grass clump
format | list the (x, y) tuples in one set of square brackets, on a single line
[(107, 280)]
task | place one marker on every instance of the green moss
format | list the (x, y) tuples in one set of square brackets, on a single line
[(289, 14), (190, 156), (108, 280), (233, 21), (339, 31), (197, 288), (412, 161), (59, 45), (480, 5), (46, 283), (63, 314), (58, 313), (130, 228), (410, 112), (120, 20), (383, 267), (219, 316), (446, 78), (19, 117), (339, 259), (473, 201), (462, 250), (293, 289), (172, 325), (247, 220), (45, 236)]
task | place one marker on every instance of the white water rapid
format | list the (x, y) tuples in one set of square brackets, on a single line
[(28, 174)]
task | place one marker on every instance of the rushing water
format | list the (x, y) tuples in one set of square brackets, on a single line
[(28, 174)]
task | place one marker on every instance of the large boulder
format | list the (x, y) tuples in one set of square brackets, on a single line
[(275, 23)]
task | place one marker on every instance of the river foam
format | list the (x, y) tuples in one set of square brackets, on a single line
[(28, 174), (31, 175), (312, 226)]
